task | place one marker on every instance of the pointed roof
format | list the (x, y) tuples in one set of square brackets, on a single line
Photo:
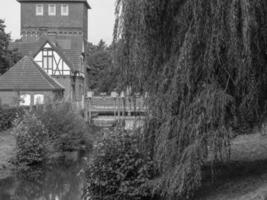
[(56, 1), (26, 75), (70, 56), (43, 41), (26, 48)]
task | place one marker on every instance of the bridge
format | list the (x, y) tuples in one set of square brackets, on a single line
[(107, 110)]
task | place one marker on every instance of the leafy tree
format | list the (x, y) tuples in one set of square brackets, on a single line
[(203, 64), (7, 57), (101, 45), (66, 129), (31, 136), (102, 74)]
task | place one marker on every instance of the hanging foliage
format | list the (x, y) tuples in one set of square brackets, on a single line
[(204, 66)]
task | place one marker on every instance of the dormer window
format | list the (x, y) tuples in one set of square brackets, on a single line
[(64, 9), (39, 9), (52, 9)]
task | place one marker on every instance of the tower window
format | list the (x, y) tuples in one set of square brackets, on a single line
[(39, 9), (52, 9), (64, 10)]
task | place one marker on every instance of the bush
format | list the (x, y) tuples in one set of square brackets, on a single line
[(119, 170), (43, 135), (31, 141), (67, 129), (7, 117)]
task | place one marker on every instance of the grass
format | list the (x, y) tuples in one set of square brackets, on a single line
[(247, 187), (249, 148), (7, 153), (244, 177)]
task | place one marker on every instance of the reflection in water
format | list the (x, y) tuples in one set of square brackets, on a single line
[(60, 182)]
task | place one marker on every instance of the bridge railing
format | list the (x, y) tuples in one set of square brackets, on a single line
[(120, 106)]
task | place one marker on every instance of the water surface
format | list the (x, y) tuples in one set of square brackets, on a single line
[(63, 181)]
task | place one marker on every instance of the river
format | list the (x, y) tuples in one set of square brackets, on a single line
[(62, 181)]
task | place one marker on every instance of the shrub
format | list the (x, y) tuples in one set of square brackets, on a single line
[(66, 128), (7, 117), (31, 140), (118, 169)]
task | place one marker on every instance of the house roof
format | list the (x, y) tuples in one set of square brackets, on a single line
[(26, 48), (71, 1), (70, 55), (26, 75)]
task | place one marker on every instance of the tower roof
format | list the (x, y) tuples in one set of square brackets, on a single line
[(58, 1), (26, 75)]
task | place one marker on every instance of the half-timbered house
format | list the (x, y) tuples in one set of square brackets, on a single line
[(54, 34), (26, 84)]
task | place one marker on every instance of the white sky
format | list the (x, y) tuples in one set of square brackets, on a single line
[(100, 19)]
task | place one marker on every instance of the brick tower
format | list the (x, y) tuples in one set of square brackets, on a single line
[(55, 18)]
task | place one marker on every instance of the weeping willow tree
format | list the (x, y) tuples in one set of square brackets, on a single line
[(204, 66)]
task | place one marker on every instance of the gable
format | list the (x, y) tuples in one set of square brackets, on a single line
[(71, 52), (51, 61)]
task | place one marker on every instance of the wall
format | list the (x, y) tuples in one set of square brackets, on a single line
[(79, 88), (75, 21), (10, 98), (85, 22), (65, 81)]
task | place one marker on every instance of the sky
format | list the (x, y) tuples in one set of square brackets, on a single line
[(100, 19)]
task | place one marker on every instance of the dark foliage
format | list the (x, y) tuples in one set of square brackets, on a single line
[(102, 73), (119, 169), (67, 130), (8, 116), (32, 141)]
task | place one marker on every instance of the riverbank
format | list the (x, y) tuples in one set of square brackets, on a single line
[(244, 177), (252, 186), (7, 153), (8, 150), (249, 184), (62, 179)]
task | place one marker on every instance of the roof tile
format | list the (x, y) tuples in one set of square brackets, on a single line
[(26, 75)]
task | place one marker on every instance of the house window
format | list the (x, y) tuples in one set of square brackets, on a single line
[(38, 99), (64, 10), (48, 61), (39, 9), (25, 100), (52, 9)]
